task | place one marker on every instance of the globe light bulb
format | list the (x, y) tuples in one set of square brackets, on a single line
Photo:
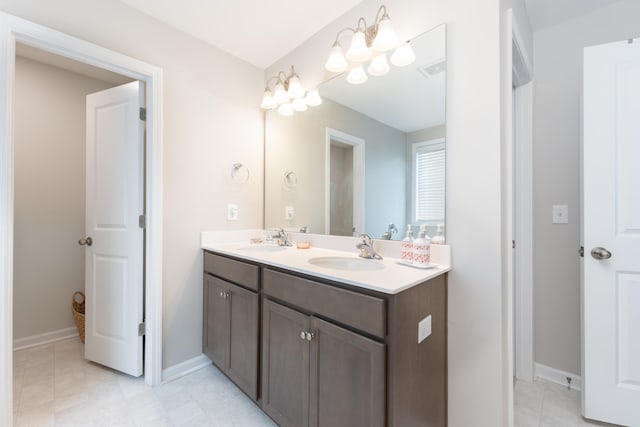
[(379, 65), (267, 100), (286, 109), (313, 98), (336, 62), (403, 55), (357, 75), (358, 50), (386, 38)]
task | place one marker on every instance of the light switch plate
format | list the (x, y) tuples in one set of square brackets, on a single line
[(289, 211), (424, 329), (232, 212), (560, 214)]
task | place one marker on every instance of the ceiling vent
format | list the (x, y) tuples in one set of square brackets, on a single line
[(433, 69)]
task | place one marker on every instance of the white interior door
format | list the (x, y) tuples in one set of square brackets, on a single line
[(114, 201), (611, 285)]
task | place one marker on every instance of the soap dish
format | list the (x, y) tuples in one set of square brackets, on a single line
[(422, 267)]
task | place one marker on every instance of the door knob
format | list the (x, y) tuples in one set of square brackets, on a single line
[(88, 241), (600, 253)]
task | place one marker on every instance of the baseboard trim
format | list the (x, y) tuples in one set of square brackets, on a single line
[(557, 376), (181, 369), (46, 338)]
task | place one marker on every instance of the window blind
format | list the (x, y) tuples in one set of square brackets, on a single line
[(429, 165)]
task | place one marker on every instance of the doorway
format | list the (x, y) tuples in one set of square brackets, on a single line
[(16, 30), (344, 184), (49, 190), (341, 189)]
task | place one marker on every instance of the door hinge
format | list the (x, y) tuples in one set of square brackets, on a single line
[(143, 114), (513, 244), (142, 221), (141, 329), (581, 251)]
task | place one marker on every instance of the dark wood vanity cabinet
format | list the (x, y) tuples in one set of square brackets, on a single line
[(330, 354), (316, 374), (231, 325)]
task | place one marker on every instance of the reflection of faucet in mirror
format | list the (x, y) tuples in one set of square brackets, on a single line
[(282, 236), (366, 248), (390, 231)]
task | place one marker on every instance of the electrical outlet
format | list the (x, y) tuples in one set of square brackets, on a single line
[(560, 214), (424, 329), (288, 213), (232, 212)]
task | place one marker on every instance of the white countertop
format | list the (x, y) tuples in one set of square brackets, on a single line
[(391, 279)]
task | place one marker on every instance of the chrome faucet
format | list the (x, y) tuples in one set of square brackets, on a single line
[(391, 230), (282, 236), (366, 248)]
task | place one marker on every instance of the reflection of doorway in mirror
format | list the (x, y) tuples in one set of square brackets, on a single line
[(344, 189), (341, 189)]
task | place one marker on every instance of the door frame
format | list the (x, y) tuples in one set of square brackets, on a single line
[(523, 206), (358, 177), (523, 286), (13, 30)]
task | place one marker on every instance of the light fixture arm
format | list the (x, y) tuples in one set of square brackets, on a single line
[(362, 25), (353, 30), (269, 82), (380, 18)]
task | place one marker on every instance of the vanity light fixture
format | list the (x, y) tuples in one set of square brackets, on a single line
[(288, 95), (369, 43)]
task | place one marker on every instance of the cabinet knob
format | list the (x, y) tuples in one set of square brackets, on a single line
[(309, 336), (303, 335)]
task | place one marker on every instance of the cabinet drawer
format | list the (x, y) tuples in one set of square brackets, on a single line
[(359, 311), (234, 271)]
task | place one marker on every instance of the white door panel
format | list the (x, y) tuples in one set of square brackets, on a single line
[(114, 200), (611, 288)]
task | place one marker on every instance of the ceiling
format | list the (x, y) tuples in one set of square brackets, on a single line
[(262, 32), (547, 13), (259, 32)]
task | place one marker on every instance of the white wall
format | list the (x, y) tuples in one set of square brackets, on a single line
[(475, 81), (49, 195), (211, 120), (557, 130)]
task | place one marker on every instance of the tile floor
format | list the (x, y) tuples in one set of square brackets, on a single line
[(545, 404), (54, 386)]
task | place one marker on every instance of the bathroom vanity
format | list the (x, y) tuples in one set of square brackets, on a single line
[(328, 346)]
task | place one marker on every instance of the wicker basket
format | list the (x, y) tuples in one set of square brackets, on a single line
[(77, 307)]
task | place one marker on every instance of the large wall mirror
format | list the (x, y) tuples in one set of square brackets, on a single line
[(369, 156)]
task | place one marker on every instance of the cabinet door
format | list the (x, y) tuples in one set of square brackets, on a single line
[(285, 365), (242, 363), (216, 327), (347, 378)]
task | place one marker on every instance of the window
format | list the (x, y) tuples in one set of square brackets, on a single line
[(428, 182)]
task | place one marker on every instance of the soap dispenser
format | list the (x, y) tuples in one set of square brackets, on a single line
[(438, 239), (406, 247), (421, 248)]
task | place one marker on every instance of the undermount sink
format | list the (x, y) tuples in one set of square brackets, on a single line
[(346, 263), (262, 248)]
